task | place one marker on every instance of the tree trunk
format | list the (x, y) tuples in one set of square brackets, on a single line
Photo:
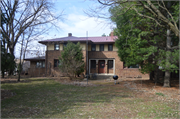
[(20, 64), (11, 72), (12, 53), (2, 74), (19, 72), (156, 76), (151, 76), (167, 79), (167, 72), (19, 76), (168, 47)]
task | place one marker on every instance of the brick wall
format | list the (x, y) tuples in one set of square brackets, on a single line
[(34, 72), (109, 71), (50, 56), (93, 71), (132, 72), (105, 55), (119, 70)]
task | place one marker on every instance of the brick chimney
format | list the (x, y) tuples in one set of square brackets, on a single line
[(112, 35), (69, 34)]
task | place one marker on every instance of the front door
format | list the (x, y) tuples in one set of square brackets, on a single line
[(101, 66)]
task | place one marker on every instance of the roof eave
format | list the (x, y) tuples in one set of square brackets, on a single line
[(34, 59), (46, 42)]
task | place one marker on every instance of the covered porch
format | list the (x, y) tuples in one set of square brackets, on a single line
[(102, 66)]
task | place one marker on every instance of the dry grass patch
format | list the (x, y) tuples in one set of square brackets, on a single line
[(49, 98)]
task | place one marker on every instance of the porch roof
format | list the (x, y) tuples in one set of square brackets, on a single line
[(36, 58)]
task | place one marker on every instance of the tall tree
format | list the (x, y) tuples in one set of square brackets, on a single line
[(25, 42), (134, 40), (24, 14), (7, 60), (71, 60), (140, 41)]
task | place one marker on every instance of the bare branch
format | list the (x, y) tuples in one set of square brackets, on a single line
[(148, 17), (112, 3), (24, 14), (164, 19)]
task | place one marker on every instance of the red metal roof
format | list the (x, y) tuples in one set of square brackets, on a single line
[(106, 39)]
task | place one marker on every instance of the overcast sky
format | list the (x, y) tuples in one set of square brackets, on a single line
[(75, 21)]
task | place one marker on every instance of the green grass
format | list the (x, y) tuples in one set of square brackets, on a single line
[(45, 98), (160, 94)]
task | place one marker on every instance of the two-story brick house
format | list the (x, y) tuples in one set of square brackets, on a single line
[(101, 54)]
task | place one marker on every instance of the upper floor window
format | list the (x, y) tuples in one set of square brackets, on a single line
[(56, 46), (101, 47), (93, 64), (56, 62), (93, 47), (110, 47), (110, 64), (64, 45)]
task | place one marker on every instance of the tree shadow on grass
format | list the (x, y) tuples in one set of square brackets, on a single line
[(24, 80), (47, 99), (150, 84)]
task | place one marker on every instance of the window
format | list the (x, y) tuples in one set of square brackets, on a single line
[(93, 64), (101, 47), (134, 66), (40, 64), (64, 45), (37, 64), (43, 64), (56, 63), (93, 47), (56, 46), (110, 47), (110, 64)]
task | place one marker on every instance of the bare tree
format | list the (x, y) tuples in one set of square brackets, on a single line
[(28, 36), (156, 11), (24, 14)]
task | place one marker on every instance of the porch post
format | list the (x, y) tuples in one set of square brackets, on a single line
[(89, 66), (97, 66), (106, 66)]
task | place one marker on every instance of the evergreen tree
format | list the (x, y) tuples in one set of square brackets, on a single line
[(141, 42), (71, 61), (7, 60)]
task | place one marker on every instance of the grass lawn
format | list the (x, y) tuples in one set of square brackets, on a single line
[(47, 98)]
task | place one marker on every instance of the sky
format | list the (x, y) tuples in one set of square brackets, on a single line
[(74, 21), (77, 22)]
